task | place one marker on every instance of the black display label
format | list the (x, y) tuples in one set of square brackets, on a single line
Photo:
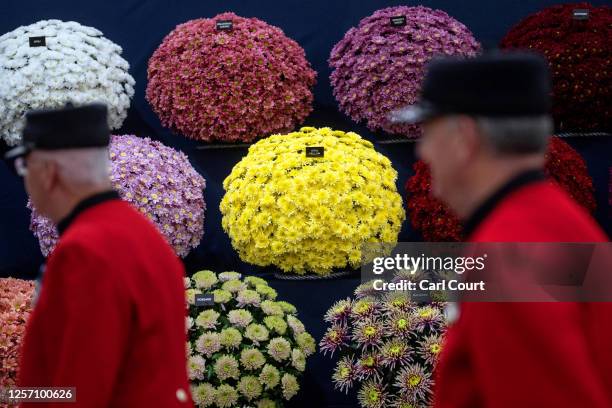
[(398, 21), (204, 299), (315, 151), (225, 25), (581, 14), (38, 42)]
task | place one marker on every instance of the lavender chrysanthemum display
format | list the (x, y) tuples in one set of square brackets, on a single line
[(157, 180), (378, 66)]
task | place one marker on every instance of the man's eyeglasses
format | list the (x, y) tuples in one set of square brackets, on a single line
[(20, 166)]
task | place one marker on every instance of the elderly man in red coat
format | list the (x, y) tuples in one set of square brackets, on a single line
[(486, 126), (110, 317)]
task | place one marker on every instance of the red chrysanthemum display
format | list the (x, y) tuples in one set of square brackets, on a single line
[(15, 308), (580, 56), (209, 81), (436, 221)]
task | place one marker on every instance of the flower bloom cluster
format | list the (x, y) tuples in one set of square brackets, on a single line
[(76, 64), (437, 223), (245, 348), (387, 346), (160, 182), (229, 85), (15, 308), (378, 66), (579, 54), (311, 214)]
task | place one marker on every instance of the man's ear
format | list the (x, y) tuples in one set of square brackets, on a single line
[(49, 175), (469, 142)]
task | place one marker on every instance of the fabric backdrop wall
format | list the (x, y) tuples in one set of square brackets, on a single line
[(139, 27)]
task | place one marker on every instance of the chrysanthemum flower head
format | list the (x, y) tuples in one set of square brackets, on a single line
[(276, 324), (365, 307), (272, 308), (296, 325), (190, 295), (221, 296), (266, 291), (306, 343), (269, 376), (226, 396), (231, 338), (335, 338), (204, 279), (253, 281), (430, 348), (196, 366), (290, 386), (227, 367), (345, 374), (366, 289), (414, 382), (204, 394), (207, 319), (339, 312), (399, 324), (256, 333), (252, 359), (250, 387), (287, 307), (279, 349), (578, 54), (266, 403), (240, 317), (208, 343), (234, 286), (369, 365), (427, 317), (397, 302), (368, 333), (298, 359), (372, 395), (395, 352), (227, 276), (248, 297)]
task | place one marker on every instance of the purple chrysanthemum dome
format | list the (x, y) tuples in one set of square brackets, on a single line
[(378, 66)]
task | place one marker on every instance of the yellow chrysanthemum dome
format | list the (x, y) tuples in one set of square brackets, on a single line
[(311, 214)]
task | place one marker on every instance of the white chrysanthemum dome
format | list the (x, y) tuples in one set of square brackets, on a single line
[(74, 63)]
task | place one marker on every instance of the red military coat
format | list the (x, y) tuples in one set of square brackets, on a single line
[(110, 318), (529, 354)]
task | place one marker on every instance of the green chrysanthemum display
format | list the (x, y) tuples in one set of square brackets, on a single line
[(387, 347), (245, 348), (311, 214)]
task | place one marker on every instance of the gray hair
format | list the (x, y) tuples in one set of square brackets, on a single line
[(80, 167), (516, 135)]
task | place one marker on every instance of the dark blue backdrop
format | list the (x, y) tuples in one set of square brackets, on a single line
[(139, 26)]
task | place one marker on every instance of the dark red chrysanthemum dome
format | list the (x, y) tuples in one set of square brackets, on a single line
[(580, 56), (437, 223)]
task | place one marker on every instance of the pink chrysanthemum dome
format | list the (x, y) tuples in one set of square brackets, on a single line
[(232, 85)]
